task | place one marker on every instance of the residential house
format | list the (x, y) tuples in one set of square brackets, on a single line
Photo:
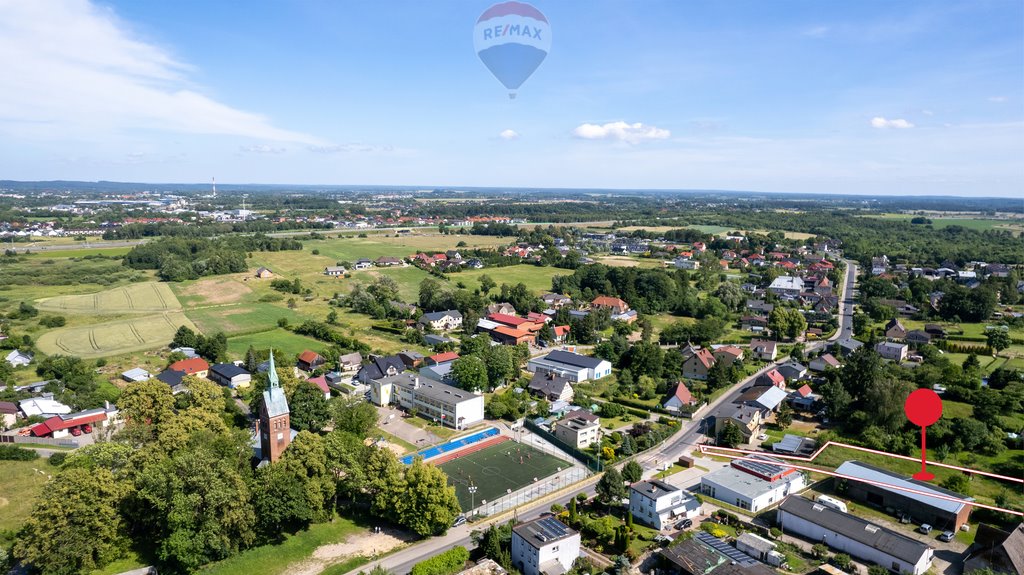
[(857, 537), (8, 414), (614, 304), (445, 404), (552, 300), (362, 264), (657, 504), (506, 335), (572, 365), (264, 273), (18, 358), (309, 360), (697, 365), (578, 428), (475, 264), (350, 361), (763, 349), (321, 382), (847, 346), (230, 375), (894, 329), (544, 546), (503, 308), (561, 333), (924, 503), (773, 377), (680, 399), (411, 359), (792, 370), (803, 398), (754, 483), (935, 330), (551, 386), (787, 286), (445, 357), (684, 263), (434, 340), (918, 337), (824, 362), (754, 323), (441, 320), (892, 350), (380, 367), (196, 366), (759, 306), (136, 375), (747, 418), (728, 354), (388, 261), (174, 378), (767, 398), (334, 271), (42, 406), (823, 286)]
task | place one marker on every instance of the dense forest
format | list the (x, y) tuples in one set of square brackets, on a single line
[(179, 259)]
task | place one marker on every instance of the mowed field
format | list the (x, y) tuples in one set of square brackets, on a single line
[(278, 339), (114, 337), (147, 297), (536, 279), (22, 483), (496, 469)]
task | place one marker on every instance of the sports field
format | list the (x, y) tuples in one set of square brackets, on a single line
[(147, 297), (496, 469), (114, 337)]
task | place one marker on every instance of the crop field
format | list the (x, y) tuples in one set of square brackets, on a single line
[(348, 248), (496, 469), (147, 297), (114, 337), (1016, 227)]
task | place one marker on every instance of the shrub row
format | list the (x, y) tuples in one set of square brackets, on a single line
[(14, 453), (451, 561)]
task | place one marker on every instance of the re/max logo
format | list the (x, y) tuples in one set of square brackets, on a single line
[(511, 30)]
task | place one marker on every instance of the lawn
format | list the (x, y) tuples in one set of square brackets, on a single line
[(275, 559), (240, 319), (18, 490), (279, 339), (536, 278), (494, 471)]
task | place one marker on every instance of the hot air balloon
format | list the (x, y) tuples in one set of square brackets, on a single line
[(512, 39)]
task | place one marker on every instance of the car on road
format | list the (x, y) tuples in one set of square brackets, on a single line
[(87, 428), (924, 528), (684, 524), (76, 431), (460, 520), (946, 536)]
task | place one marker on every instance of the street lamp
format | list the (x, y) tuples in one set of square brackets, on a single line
[(472, 493)]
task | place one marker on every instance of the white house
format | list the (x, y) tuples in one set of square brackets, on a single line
[(362, 264), (18, 359), (334, 271), (544, 545), (679, 399), (854, 536), (573, 366), (578, 428), (787, 285), (136, 375), (43, 406), (657, 504), (753, 485), (764, 350), (444, 403), (442, 320), (892, 350)]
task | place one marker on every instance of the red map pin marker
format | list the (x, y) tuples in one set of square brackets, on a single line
[(923, 408)]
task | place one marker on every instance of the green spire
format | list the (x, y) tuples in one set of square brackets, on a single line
[(272, 373)]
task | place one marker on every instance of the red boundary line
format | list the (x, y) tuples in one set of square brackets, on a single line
[(471, 448), (707, 448)]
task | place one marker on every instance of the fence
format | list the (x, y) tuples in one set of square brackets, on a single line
[(64, 442), (592, 463)]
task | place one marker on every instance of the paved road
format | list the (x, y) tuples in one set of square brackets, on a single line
[(845, 330)]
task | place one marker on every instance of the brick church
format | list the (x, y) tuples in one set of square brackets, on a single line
[(274, 428)]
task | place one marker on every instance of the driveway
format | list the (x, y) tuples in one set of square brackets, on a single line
[(390, 420)]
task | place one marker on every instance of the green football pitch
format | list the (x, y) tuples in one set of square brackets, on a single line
[(496, 469)]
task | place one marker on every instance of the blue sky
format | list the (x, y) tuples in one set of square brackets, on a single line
[(866, 97)]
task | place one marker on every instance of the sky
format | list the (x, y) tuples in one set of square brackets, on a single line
[(880, 98)]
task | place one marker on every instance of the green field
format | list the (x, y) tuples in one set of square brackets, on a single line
[(240, 319), (148, 297), (114, 337), (537, 279), (277, 559), (19, 488), (81, 253), (494, 472), (279, 339)]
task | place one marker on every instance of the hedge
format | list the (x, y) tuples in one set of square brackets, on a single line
[(633, 403), (451, 561), (14, 453)]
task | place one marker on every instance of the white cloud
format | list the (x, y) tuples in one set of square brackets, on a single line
[(622, 131), (998, 99), (883, 123), (75, 70), (262, 149), (509, 135), (347, 148)]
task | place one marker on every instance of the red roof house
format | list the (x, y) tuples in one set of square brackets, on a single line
[(196, 366)]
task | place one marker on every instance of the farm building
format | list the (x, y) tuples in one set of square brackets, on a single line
[(174, 378), (196, 366), (230, 375), (60, 426), (136, 375), (753, 484), (854, 536), (309, 360), (264, 273), (872, 485)]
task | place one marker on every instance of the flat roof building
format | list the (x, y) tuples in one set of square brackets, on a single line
[(544, 545), (753, 484)]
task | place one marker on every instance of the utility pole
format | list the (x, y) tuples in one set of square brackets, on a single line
[(472, 493)]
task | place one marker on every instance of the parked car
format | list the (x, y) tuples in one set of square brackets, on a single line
[(684, 524), (924, 528), (87, 428), (947, 536), (460, 520), (76, 431)]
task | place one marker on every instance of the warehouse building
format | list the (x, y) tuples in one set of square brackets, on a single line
[(854, 536), (938, 512)]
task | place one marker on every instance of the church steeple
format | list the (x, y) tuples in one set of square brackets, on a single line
[(272, 373)]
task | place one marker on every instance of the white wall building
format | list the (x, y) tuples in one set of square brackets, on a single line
[(573, 366), (892, 350), (753, 485), (448, 405), (854, 536), (578, 428), (544, 545), (787, 285), (658, 504)]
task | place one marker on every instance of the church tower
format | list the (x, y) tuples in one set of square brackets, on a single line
[(275, 423)]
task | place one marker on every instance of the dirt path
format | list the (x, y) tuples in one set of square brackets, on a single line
[(364, 545)]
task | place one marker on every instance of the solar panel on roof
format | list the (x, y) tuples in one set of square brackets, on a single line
[(551, 528), (759, 467), (724, 549)]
